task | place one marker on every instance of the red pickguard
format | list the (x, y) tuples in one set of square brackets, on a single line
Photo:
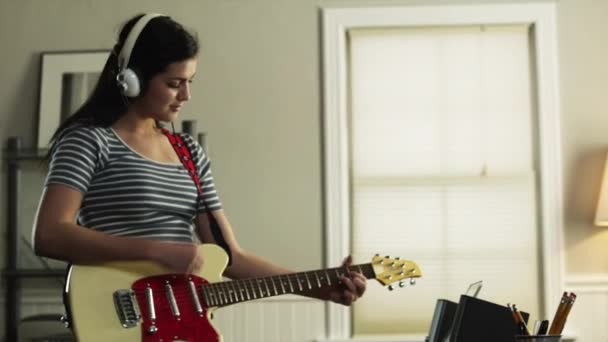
[(190, 326)]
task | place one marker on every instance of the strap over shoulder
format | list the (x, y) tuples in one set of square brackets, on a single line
[(185, 157)]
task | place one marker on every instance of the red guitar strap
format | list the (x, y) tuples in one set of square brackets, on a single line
[(183, 152)]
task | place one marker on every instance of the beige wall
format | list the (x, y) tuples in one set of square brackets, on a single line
[(257, 93), (583, 28)]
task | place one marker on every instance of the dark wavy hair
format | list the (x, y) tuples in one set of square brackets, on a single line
[(162, 41)]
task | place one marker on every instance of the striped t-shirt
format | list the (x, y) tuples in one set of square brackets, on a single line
[(126, 193)]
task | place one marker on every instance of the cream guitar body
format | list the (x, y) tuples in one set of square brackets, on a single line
[(143, 302), (91, 293)]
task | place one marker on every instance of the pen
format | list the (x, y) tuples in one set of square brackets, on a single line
[(536, 329)]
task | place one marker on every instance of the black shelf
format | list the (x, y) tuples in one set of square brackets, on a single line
[(33, 273), (14, 154), (25, 154)]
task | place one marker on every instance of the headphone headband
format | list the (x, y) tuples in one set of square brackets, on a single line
[(127, 48)]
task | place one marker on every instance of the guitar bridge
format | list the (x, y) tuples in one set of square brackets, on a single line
[(127, 308)]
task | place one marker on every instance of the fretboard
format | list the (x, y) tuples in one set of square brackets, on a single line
[(236, 291)]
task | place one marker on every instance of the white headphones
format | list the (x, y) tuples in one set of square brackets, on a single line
[(127, 80)]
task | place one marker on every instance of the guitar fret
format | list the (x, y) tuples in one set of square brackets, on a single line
[(282, 286), (308, 281), (328, 280), (216, 296), (223, 298), (274, 286), (235, 292), (265, 280), (246, 289), (318, 280), (208, 293), (229, 292), (253, 289), (232, 291), (259, 284), (205, 294), (299, 283), (290, 284), (227, 295), (256, 288), (238, 285)]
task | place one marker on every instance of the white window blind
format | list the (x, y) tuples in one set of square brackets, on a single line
[(443, 167)]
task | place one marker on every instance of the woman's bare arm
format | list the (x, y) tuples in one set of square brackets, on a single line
[(248, 265)]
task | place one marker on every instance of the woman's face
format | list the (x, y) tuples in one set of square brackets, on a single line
[(167, 91)]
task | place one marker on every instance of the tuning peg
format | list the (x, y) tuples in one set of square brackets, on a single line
[(401, 284), (377, 254), (391, 288), (412, 281)]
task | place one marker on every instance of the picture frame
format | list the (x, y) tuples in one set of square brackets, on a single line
[(66, 80)]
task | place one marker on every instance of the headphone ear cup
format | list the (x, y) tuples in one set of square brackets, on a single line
[(128, 82)]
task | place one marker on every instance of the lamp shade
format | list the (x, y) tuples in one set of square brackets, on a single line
[(601, 212)]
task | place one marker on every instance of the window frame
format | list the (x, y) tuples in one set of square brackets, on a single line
[(336, 22)]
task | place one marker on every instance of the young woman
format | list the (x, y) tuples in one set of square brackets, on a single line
[(116, 189)]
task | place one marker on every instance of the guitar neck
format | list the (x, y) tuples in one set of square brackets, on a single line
[(303, 283)]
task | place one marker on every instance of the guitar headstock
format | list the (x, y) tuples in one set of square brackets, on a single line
[(389, 270)]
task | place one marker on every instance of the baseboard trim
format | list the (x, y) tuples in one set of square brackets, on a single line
[(587, 283)]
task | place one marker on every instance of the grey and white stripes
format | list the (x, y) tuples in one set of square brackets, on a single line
[(126, 193)]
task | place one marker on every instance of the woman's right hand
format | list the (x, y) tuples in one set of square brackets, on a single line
[(179, 257)]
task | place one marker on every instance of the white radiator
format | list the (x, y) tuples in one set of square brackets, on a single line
[(295, 319), (280, 319)]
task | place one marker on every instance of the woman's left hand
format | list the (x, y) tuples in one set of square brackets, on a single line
[(351, 286)]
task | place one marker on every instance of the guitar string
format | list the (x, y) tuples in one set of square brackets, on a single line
[(230, 290), (242, 283)]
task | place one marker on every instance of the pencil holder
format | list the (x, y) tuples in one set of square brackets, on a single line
[(538, 338)]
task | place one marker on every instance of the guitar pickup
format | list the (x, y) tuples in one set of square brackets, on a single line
[(127, 308)]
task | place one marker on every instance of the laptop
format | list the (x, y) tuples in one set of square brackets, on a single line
[(444, 314), (474, 289)]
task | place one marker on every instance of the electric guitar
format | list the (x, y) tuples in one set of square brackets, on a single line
[(142, 301)]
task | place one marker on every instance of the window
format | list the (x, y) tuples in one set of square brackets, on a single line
[(442, 169), (436, 152)]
